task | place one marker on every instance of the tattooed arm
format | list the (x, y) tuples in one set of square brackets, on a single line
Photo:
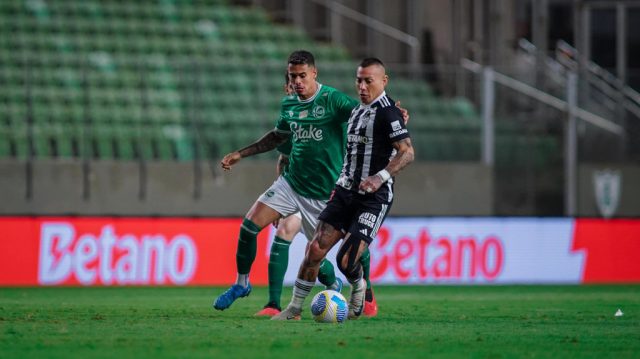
[(403, 157), (268, 142), (283, 162)]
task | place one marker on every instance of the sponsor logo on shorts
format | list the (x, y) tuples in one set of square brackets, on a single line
[(269, 194), (367, 219)]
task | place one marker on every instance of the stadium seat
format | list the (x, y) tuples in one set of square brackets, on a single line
[(5, 142), (112, 79)]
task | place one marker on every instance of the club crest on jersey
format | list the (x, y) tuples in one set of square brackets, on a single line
[(318, 111), (365, 118)]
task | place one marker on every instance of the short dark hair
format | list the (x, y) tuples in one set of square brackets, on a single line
[(302, 57), (371, 61)]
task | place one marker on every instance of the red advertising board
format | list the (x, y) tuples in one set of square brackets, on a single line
[(181, 251), (122, 251), (612, 247)]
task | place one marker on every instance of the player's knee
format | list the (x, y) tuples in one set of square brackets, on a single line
[(315, 253), (285, 233), (348, 265)]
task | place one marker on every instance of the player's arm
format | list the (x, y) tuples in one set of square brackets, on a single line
[(268, 142), (283, 159), (404, 156), (283, 162)]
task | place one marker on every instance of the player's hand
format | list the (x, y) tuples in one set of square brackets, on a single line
[(371, 184), (405, 113), (230, 160)]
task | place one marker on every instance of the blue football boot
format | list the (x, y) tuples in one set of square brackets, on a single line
[(227, 298)]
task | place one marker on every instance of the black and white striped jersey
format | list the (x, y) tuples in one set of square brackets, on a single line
[(371, 131)]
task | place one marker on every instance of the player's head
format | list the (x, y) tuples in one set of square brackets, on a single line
[(302, 73), (288, 88), (371, 79)]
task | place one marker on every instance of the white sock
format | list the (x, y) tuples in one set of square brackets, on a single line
[(358, 285), (301, 291), (242, 279), (334, 286)]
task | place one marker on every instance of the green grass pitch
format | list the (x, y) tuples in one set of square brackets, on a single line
[(414, 322)]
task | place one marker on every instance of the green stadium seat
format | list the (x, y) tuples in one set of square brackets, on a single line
[(103, 141), (65, 137), (112, 79), (5, 142), (124, 140), (18, 141), (41, 141)]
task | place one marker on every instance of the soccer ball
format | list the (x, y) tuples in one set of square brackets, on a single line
[(329, 306)]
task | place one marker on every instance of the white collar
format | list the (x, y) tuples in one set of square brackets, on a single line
[(312, 97), (384, 93)]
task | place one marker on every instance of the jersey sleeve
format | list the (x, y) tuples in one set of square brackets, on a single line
[(285, 148), (282, 125), (343, 105), (394, 123)]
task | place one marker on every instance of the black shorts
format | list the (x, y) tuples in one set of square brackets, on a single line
[(358, 214)]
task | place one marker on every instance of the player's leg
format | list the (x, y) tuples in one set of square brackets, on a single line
[(326, 236), (279, 260), (272, 205), (371, 212), (258, 217), (327, 276), (310, 210), (348, 259), (370, 304)]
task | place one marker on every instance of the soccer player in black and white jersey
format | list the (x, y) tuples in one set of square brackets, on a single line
[(378, 147)]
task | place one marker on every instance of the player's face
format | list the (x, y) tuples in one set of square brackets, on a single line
[(370, 82), (303, 80)]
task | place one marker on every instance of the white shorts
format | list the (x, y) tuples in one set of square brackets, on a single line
[(282, 198), (297, 214)]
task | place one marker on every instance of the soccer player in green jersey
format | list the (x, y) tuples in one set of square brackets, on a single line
[(314, 120), (286, 230)]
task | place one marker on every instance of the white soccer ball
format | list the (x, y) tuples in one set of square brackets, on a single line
[(329, 306)]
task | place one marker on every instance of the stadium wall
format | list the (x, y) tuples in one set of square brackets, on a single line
[(53, 251), (172, 189), (122, 188)]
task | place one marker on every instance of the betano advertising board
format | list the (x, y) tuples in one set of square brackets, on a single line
[(183, 251)]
